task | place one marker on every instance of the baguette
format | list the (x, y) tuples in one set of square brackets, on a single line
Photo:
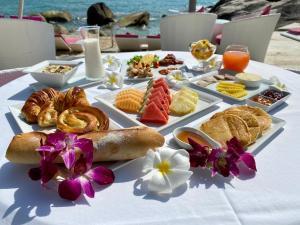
[(111, 145)]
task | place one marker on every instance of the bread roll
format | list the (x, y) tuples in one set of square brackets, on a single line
[(109, 145)]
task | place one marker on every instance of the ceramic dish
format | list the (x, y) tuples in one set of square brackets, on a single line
[(213, 143), (212, 89), (106, 102), (249, 80), (26, 127), (274, 104), (56, 80), (276, 125)]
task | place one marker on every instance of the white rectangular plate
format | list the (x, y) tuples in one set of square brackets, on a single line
[(107, 104), (276, 125), (212, 88), (25, 127)]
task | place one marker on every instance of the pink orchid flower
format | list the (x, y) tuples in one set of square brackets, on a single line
[(81, 180)]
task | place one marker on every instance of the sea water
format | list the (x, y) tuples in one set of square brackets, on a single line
[(78, 9)]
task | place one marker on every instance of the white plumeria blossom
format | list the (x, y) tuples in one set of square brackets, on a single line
[(111, 63), (177, 77), (166, 169), (113, 80)]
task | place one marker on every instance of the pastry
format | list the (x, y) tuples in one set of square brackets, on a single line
[(224, 127), (81, 120), (32, 106), (123, 144), (43, 107)]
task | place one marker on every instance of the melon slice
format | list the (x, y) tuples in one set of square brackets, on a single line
[(153, 114)]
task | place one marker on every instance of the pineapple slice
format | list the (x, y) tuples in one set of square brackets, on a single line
[(182, 106)]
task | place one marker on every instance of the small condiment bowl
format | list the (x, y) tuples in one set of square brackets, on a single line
[(275, 104), (56, 80), (249, 80), (212, 142)]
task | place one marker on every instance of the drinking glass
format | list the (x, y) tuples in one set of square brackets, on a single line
[(93, 62), (236, 58), (203, 52)]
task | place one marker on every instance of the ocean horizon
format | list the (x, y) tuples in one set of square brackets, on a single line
[(78, 9)]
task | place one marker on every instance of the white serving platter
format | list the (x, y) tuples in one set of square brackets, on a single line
[(276, 125), (212, 89), (26, 127), (107, 104)]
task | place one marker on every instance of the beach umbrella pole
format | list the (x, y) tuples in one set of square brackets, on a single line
[(21, 7)]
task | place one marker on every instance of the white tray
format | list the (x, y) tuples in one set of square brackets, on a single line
[(107, 104), (276, 126), (212, 89), (25, 127)]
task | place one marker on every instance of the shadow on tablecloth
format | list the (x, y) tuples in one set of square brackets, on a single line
[(30, 200)]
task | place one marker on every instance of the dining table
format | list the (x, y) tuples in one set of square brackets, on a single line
[(269, 196)]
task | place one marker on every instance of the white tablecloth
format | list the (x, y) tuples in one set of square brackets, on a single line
[(272, 196)]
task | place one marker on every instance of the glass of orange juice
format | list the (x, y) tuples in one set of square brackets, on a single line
[(236, 58)]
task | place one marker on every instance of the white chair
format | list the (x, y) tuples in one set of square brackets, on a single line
[(253, 32), (178, 31), (25, 43)]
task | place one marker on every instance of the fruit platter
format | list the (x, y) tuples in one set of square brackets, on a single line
[(155, 104)]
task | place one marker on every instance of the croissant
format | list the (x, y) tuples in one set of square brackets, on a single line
[(81, 120), (43, 107), (32, 106)]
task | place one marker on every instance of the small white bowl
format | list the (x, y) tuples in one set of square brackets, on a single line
[(55, 80), (212, 142), (249, 80), (275, 104)]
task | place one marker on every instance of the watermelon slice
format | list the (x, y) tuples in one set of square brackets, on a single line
[(164, 94), (160, 105), (153, 114), (162, 85)]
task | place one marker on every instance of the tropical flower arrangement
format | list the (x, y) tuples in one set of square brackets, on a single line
[(165, 169), (78, 174)]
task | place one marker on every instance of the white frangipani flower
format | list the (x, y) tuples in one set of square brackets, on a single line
[(111, 63), (113, 80), (166, 169)]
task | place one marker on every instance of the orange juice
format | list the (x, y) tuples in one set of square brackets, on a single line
[(236, 60)]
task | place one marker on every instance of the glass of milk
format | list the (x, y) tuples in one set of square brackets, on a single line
[(93, 62)]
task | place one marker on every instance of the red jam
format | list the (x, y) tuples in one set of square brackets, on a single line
[(274, 94), (262, 100)]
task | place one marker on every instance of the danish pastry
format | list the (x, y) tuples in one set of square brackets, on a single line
[(81, 120)]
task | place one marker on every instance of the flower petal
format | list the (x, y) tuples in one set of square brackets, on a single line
[(178, 177), (69, 189), (166, 153), (249, 160), (149, 161), (101, 175), (68, 157), (48, 170), (45, 148), (87, 187), (86, 146), (234, 170), (180, 160), (56, 138), (159, 183), (80, 166), (35, 173), (234, 145)]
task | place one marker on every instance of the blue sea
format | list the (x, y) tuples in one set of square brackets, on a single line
[(78, 9)]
